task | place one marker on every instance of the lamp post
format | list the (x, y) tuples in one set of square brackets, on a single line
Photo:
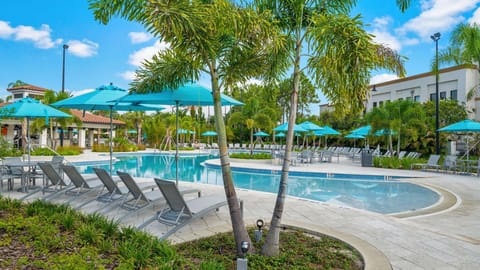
[(435, 37), (65, 47)]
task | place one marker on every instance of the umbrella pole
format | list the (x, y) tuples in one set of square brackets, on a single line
[(28, 138), (176, 143), (111, 139)]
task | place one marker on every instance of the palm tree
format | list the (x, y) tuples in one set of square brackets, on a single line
[(16, 84), (464, 48), (341, 56)]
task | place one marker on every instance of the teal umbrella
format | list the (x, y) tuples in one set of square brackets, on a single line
[(355, 136), (132, 131), (30, 108), (182, 131), (186, 95), (364, 130), (101, 99), (310, 126), (463, 126), (280, 135), (261, 134), (209, 133), (326, 130), (284, 127)]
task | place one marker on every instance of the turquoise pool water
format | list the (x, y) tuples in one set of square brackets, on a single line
[(373, 193)]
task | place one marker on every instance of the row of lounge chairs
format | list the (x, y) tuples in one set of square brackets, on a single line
[(104, 195), (450, 164)]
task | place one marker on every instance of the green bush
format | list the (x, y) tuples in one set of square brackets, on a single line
[(394, 162), (248, 156), (71, 150), (7, 150)]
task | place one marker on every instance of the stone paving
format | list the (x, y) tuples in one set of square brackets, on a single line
[(447, 239)]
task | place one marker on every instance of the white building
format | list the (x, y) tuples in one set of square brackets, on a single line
[(454, 83)]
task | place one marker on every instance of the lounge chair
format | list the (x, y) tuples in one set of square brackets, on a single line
[(54, 182), (450, 164), (431, 163), (140, 198), (82, 185), (178, 212), (109, 193)]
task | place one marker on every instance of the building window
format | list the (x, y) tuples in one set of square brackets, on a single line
[(15, 96), (433, 97), (453, 95), (443, 95), (409, 98), (416, 98), (374, 104), (380, 103), (400, 99)]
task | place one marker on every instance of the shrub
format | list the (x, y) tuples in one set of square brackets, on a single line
[(394, 162), (248, 156), (70, 150), (7, 150)]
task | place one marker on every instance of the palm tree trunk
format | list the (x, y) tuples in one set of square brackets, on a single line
[(239, 230), (271, 245)]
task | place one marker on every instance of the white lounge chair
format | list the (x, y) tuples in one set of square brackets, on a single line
[(431, 163)]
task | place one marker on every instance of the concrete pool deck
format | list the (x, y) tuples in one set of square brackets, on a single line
[(444, 237)]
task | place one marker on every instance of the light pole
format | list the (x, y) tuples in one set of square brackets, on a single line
[(65, 47), (435, 37)]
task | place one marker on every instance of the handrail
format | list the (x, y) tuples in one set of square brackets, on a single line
[(49, 148)]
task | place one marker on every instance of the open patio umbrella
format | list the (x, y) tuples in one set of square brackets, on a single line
[(261, 134), (325, 131), (364, 130), (30, 108), (186, 95), (101, 99), (355, 136), (209, 133), (284, 127), (464, 126)]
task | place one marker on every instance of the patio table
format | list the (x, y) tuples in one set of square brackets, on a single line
[(26, 168)]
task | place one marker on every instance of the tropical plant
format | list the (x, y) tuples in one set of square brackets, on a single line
[(16, 84), (341, 56), (229, 43)]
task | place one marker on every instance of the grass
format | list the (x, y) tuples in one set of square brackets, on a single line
[(41, 235)]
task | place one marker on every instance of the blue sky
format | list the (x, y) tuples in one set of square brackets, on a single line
[(32, 33)]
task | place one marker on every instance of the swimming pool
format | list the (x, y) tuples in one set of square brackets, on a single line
[(373, 193)]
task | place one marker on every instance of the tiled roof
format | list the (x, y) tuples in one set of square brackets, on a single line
[(29, 87), (93, 118)]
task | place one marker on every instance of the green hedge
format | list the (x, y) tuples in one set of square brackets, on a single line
[(248, 156)]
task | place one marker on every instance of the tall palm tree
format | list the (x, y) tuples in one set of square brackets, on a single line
[(340, 57), (464, 49), (229, 43)]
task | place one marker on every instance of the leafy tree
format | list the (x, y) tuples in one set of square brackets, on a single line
[(229, 43), (464, 49), (341, 56), (16, 84)]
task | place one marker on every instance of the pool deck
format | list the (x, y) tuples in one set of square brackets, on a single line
[(446, 236)]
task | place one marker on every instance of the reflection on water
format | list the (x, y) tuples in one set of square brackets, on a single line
[(373, 195)]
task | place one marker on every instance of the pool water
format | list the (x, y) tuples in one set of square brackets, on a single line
[(373, 193)]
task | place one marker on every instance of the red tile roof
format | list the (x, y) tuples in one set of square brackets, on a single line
[(29, 87), (93, 118)]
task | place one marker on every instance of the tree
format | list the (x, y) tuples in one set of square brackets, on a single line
[(16, 84), (229, 43), (341, 56), (464, 49)]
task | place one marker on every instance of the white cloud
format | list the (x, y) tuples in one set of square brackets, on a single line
[(85, 48), (437, 16), (139, 56), (385, 77), (5, 29), (128, 75), (40, 37), (382, 35), (474, 19), (139, 37)]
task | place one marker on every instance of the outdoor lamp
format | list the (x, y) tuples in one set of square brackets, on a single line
[(258, 233), (242, 262), (435, 37), (245, 246)]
